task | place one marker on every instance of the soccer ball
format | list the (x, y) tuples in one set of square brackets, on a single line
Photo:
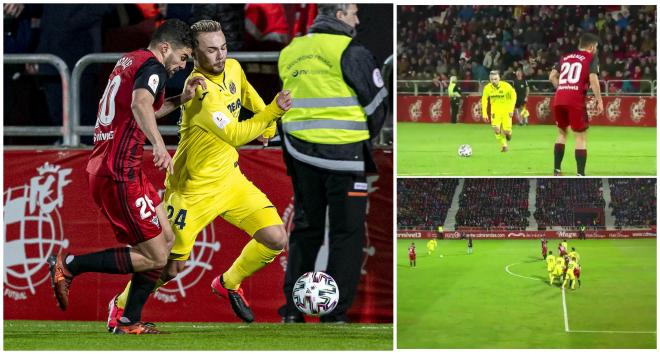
[(465, 150), (315, 293)]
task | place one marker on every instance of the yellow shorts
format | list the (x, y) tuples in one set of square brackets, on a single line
[(571, 275), (242, 205), (501, 119)]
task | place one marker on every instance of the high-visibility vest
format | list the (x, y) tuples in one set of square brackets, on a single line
[(325, 109), (450, 90)]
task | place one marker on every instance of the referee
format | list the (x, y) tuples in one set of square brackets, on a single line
[(338, 107)]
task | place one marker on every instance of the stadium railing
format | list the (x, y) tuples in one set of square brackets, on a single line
[(77, 130), (71, 130), (64, 131), (537, 87)]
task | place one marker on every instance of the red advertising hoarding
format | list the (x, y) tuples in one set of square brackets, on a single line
[(619, 111), (48, 207), (518, 234)]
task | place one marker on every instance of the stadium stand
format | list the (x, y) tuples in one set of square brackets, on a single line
[(423, 203), (633, 201), (435, 42), (494, 204), (557, 200)]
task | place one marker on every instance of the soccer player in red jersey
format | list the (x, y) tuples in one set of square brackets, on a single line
[(412, 256), (575, 72), (132, 101), (544, 248)]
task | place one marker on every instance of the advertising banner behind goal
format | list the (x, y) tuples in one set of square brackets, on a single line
[(48, 207), (619, 111), (523, 234)]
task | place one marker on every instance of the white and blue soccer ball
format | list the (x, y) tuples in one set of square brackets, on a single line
[(315, 293), (465, 150)]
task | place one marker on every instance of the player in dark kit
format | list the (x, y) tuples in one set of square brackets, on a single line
[(132, 101), (575, 73), (522, 91)]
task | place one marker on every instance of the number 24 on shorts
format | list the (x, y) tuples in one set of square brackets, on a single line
[(180, 219)]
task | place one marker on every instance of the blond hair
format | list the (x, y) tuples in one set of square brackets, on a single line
[(204, 26)]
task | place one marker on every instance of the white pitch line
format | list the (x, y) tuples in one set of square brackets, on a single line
[(517, 275), (627, 332), (563, 300)]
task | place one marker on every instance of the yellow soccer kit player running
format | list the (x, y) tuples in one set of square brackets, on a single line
[(207, 181), (502, 97), (431, 245)]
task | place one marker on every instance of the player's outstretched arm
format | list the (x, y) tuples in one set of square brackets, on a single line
[(172, 103), (554, 78), (238, 133), (595, 88), (142, 107)]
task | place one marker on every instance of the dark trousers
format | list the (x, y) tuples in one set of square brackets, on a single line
[(314, 191), (455, 104)]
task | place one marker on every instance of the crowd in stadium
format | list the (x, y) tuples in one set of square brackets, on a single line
[(435, 42), (433, 196), (633, 201), (503, 203), (558, 199), (494, 204)]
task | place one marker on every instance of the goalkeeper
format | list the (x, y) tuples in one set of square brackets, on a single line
[(502, 99), (207, 181)]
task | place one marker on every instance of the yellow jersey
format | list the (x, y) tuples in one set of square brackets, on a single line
[(550, 261), (210, 131), (502, 99), (571, 267), (574, 254)]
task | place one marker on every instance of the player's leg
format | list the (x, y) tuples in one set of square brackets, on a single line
[(581, 152), (562, 122), (518, 115), (507, 126), (579, 120), (496, 123)]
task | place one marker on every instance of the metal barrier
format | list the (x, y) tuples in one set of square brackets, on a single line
[(63, 70), (78, 130), (537, 87)]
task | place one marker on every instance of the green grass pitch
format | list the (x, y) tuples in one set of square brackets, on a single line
[(499, 296), (431, 149), (76, 335)]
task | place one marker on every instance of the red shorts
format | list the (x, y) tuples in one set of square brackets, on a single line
[(129, 206), (576, 272), (574, 116), (412, 257)]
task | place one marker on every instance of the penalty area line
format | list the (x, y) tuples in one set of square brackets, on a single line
[(563, 300)]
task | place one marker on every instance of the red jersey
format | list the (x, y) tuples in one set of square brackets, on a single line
[(411, 251), (574, 70), (118, 140)]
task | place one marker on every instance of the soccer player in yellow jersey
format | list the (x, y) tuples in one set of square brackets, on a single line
[(574, 254), (550, 262), (431, 245), (207, 181), (570, 274), (502, 98), (559, 268)]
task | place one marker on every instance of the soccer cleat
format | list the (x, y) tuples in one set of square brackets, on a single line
[(60, 279), (557, 173), (505, 148), (137, 328), (236, 298), (114, 314)]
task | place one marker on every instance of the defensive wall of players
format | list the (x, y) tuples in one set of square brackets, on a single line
[(619, 110), (524, 234), (47, 207)]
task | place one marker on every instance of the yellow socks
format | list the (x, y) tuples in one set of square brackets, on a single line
[(253, 257)]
